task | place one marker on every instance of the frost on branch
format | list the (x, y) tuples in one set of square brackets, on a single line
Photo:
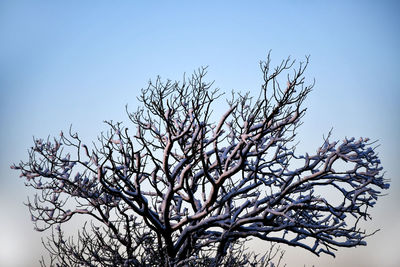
[(182, 189)]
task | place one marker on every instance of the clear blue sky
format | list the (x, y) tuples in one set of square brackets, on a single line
[(80, 62)]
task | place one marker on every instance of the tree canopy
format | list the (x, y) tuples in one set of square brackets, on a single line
[(183, 189)]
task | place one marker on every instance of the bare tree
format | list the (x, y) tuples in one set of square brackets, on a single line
[(184, 190)]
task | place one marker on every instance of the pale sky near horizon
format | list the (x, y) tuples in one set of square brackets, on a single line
[(81, 62)]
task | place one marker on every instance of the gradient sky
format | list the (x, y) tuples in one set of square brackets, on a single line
[(80, 62)]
